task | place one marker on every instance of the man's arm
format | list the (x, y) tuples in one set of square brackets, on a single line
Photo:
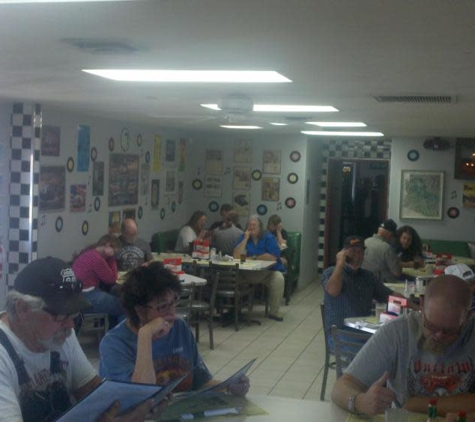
[(370, 401), (335, 282), (393, 262), (240, 248), (445, 404)]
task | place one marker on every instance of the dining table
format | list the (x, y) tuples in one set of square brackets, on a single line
[(428, 273), (187, 280)]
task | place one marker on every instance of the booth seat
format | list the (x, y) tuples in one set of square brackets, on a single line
[(164, 241), (454, 247)]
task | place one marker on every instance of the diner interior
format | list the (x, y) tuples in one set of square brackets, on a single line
[(397, 82)]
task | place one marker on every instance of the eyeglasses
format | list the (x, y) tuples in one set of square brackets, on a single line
[(61, 317), (165, 306), (446, 331)]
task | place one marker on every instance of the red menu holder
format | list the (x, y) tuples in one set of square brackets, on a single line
[(397, 304), (174, 265)]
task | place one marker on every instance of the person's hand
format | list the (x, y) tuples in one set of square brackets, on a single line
[(453, 417), (279, 227), (240, 388), (341, 258), (156, 328), (203, 234), (377, 399), (247, 234), (138, 414)]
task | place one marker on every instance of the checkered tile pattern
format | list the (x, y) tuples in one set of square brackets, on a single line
[(370, 149), (26, 121)]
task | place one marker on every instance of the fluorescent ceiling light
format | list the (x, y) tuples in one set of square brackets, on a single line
[(337, 124), (339, 133), (240, 127), (279, 124), (283, 108), (210, 76)]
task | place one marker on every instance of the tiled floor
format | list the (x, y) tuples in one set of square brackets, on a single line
[(290, 354)]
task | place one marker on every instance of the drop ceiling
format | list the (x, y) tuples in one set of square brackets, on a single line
[(342, 53)]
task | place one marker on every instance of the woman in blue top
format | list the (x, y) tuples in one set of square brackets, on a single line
[(258, 244)]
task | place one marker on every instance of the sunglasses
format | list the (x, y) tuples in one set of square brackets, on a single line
[(446, 331), (165, 306), (61, 317)]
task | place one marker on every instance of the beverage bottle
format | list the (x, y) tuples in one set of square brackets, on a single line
[(462, 416), (432, 412)]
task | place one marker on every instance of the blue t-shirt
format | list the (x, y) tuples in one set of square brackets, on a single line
[(173, 356), (265, 244)]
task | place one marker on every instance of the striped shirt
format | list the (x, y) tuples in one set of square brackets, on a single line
[(91, 267)]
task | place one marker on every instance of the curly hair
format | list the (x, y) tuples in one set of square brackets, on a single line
[(144, 284), (415, 248)]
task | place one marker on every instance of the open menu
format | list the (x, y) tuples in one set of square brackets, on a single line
[(129, 395)]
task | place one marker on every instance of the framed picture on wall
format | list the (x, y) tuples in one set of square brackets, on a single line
[(464, 166), (271, 162), (422, 194)]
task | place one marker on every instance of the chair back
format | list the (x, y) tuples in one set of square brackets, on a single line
[(183, 307), (347, 344), (228, 276), (328, 351)]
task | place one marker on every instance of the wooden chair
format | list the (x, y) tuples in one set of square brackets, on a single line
[(92, 322), (231, 294), (347, 344)]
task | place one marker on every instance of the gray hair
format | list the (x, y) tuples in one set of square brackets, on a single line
[(259, 221), (35, 303)]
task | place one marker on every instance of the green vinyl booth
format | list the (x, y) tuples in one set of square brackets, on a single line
[(454, 247), (164, 241), (292, 254)]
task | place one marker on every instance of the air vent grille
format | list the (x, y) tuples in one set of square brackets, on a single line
[(417, 99), (101, 46)]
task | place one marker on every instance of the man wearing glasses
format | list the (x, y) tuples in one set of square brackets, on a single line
[(417, 356), (42, 366)]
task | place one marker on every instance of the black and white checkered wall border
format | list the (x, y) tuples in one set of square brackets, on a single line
[(360, 149), (26, 121)]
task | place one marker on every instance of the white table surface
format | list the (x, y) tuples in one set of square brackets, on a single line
[(282, 409), (186, 279), (366, 324)]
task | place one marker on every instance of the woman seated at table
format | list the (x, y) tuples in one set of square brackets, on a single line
[(191, 231), (153, 346), (258, 244), (410, 247), (96, 267), (274, 226)]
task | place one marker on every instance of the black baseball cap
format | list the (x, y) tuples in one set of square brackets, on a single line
[(389, 225), (354, 242), (54, 281)]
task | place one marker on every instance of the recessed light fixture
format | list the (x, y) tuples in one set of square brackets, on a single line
[(283, 108), (337, 124), (207, 76), (278, 124), (240, 127), (339, 133)]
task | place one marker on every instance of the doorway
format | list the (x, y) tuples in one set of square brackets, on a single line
[(357, 201)]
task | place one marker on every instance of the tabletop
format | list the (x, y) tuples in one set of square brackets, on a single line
[(249, 265), (186, 279), (367, 324), (421, 272)]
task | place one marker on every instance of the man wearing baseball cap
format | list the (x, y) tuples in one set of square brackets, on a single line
[(465, 273), (380, 257), (349, 289), (42, 364)]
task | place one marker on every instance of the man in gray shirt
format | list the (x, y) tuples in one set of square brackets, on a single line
[(416, 357), (134, 251), (225, 237), (380, 257)]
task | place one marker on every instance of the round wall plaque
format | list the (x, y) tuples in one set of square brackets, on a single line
[(292, 178), (213, 206), (261, 209), (111, 144), (295, 156), (290, 202)]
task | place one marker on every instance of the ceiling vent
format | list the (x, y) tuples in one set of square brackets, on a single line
[(101, 46), (417, 99)]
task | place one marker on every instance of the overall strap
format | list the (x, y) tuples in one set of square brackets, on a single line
[(23, 377), (55, 363)]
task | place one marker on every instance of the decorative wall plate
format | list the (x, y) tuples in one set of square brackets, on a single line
[(111, 144), (413, 155), (93, 153), (295, 156), (139, 140), (292, 178), (162, 213), (140, 213), (97, 203), (70, 164), (453, 212), (290, 202), (197, 184), (261, 209), (173, 206), (147, 157), (256, 175), (125, 139), (85, 228), (213, 206), (58, 225)]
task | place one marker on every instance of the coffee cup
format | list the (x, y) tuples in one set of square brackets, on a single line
[(430, 268)]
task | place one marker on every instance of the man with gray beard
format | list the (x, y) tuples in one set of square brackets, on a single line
[(416, 357), (42, 366)]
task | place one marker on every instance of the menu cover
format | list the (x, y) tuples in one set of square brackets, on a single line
[(396, 304)]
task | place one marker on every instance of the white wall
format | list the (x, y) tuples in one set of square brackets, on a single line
[(461, 228)]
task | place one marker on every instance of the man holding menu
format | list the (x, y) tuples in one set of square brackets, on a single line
[(42, 365), (416, 357)]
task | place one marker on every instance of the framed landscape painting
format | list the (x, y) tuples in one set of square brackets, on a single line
[(422, 194)]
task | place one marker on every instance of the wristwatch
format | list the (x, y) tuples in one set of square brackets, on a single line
[(352, 403)]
